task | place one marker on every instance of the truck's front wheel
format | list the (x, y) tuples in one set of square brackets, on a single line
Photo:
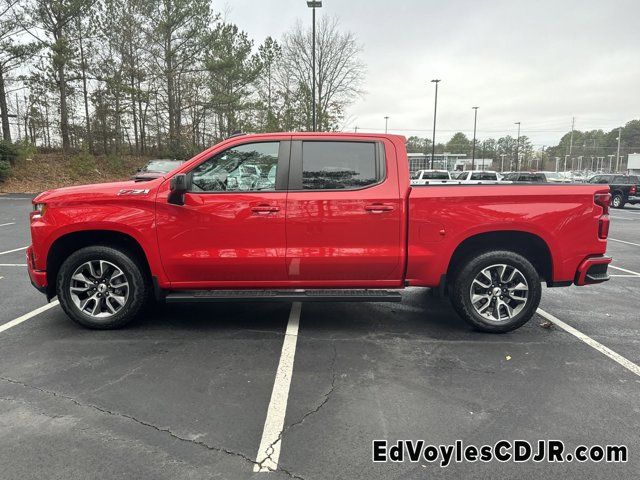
[(496, 291), (101, 287)]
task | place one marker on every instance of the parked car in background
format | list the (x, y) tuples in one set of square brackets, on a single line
[(555, 177), (155, 169), (528, 177), (624, 188), (478, 176), (428, 177)]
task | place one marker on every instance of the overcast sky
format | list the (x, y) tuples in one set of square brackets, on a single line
[(539, 62)]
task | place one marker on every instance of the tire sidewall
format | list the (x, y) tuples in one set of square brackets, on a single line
[(124, 261), (462, 284), (617, 197)]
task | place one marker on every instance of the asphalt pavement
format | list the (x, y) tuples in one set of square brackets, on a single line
[(187, 391)]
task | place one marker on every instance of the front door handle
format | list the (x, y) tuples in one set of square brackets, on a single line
[(265, 209), (378, 207)]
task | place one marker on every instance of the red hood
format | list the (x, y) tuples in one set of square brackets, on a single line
[(97, 191)]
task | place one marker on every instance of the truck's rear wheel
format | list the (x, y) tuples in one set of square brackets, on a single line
[(101, 287), (496, 291)]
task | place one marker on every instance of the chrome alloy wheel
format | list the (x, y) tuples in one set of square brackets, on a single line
[(499, 292), (99, 288)]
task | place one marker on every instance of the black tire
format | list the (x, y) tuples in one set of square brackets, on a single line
[(617, 201), (473, 266), (138, 288)]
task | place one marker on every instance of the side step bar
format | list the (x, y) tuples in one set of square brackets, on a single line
[(327, 295)]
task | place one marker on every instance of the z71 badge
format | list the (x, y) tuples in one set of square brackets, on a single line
[(132, 191)]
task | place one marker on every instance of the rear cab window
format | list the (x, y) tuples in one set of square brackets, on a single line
[(340, 165)]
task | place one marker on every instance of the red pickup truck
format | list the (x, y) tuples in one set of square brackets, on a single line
[(313, 217)]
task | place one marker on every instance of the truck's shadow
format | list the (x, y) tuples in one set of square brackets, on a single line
[(419, 315)]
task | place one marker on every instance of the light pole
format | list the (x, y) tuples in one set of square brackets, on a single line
[(435, 109), (473, 150), (313, 4), (618, 152), (517, 146), (502, 155), (565, 162), (386, 123)]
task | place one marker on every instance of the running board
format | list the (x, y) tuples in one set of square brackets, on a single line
[(327, 295)]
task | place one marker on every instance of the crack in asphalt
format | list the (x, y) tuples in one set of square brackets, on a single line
[(271, 449), (143, 423)]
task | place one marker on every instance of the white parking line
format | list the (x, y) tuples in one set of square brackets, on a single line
[(27, 316), (13, 264), (623, 218), (625, 276), (625, 270), (624, 241), (14, 250), (269, 450), (628, 364), (7, 224)]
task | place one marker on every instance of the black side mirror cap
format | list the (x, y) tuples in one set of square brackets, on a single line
[(179, 185)]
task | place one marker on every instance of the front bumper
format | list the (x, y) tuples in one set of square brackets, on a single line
[(38, 277), (593, 270)]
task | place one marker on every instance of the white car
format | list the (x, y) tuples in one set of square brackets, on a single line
[(478, 177), (556, 177), (430, 177)]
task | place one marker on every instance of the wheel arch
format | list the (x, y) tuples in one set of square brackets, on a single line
[(68, 243), (529, 245)]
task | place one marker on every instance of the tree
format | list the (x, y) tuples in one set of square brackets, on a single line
[(339, 70), (459, 143), (12, 54), (270, 55), (175, 31), (233, 69), (57, 19)]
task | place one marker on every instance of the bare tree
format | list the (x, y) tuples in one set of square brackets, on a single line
[(12, 53), (339, 70)]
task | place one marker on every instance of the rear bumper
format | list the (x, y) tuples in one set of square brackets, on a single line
[(593, 270), (38, 277), (633, 199)]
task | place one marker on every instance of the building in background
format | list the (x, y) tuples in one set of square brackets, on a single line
[(446, 161), (633, 163)]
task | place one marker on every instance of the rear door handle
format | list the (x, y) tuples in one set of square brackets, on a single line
[(378, 207), (265, 209)]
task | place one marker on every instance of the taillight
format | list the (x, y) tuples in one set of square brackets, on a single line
[(603, 200), (632, 190)]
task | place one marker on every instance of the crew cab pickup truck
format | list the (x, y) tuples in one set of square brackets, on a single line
[(330, 217)]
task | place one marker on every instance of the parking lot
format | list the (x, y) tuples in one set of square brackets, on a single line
[(188, 390)]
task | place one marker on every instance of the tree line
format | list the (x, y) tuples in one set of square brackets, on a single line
[(586, 149), (165, 77)]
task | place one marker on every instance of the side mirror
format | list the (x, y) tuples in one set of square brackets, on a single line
[(179, 185)]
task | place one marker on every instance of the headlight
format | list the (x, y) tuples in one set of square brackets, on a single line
[(38, 210)]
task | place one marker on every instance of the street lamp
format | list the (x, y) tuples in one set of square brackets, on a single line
[(473, 151), (386, 123), (517, 145), (435, 109), (313, 4)]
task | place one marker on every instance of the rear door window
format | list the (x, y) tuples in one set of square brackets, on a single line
[(339, 165)]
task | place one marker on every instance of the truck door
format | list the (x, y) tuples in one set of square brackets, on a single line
[(231, 228), (344, 214)]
